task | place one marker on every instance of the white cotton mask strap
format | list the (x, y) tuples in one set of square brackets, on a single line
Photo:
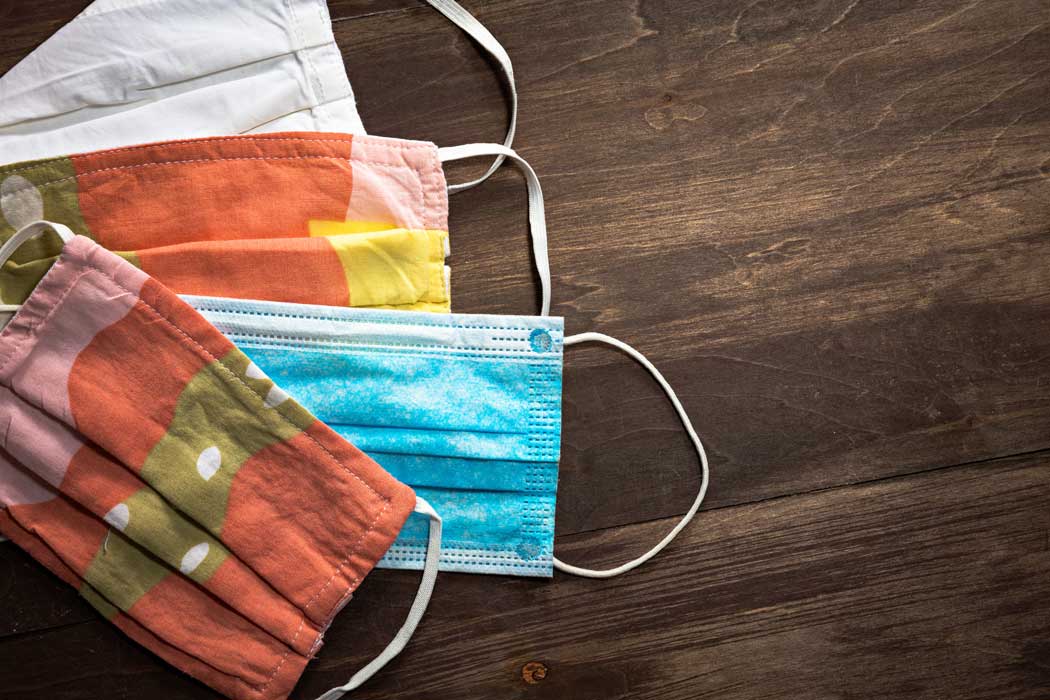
[(477, 31), (640, 358), (415, 614), (24, 234), (537, 216)]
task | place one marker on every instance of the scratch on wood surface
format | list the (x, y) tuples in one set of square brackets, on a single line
[(838, 20), (893, 161), (889, 110), (734, 30), (642, 31)]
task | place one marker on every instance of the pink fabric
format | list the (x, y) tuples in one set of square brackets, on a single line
[(43, 375)]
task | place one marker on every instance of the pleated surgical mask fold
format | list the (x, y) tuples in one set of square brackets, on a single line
[(465, 408)]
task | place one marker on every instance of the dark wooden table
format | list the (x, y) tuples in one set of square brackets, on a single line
[(828, 223)]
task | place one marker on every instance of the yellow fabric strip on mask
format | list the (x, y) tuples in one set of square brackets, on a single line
[(399, 268), (320, 229), (336, 228)]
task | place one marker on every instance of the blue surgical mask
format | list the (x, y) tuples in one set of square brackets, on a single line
[(464, 408)]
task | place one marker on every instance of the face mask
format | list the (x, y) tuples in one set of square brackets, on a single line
[(234, 216), (202, 510), (126, 72), (464, 408), (247, 216)]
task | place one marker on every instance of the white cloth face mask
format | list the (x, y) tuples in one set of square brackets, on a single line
[(127, 72)]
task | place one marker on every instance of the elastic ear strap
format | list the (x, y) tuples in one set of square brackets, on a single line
[(640, 358), (537, 215), (415, 614), (465, 21), (24, 234)]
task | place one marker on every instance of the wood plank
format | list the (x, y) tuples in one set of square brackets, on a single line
[(927, 586)]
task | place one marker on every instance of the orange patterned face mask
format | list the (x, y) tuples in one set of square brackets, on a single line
[(312, 218), (200, 508)]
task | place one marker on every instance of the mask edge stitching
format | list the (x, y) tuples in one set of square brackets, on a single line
[(387, 500)]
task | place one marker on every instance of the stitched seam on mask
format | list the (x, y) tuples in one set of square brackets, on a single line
[(356, 545), (543, 416), (243, 139), (317, 75), (322, 317), (260, 336), (434, 184), (309, 603), (339, 567), (303, 50), (420, 204), (466, 560), (504, 551), (257, 344), (451, 557), (30, 330), (159, 164)]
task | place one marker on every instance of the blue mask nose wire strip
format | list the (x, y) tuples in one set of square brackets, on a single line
[(415, 614), (465, 21), (537, 217), (640, 358)]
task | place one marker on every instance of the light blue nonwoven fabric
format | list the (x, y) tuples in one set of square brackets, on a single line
[(464, 408)]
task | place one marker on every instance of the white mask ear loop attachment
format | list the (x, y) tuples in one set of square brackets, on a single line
[(415, 614), (537, 216), (465, 21), (24, 234), (609, 573)]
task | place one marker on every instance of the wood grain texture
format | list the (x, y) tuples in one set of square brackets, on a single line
[(828, 223), (825, 222)]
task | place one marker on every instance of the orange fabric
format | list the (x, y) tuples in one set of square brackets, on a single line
[(301, 270), (352, 536), (138, 393), (92, 474), (227, 641), (97, 481), (256, 513), (137, 198), (59, 521)]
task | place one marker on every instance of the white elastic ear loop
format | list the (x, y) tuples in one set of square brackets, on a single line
[(609, 573), (537, 216), (465, 21), (24, 234), (415, 614)]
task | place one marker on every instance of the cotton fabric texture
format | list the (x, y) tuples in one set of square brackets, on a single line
[(125, 72), (150, 464), (465, 408), (305, 217)]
